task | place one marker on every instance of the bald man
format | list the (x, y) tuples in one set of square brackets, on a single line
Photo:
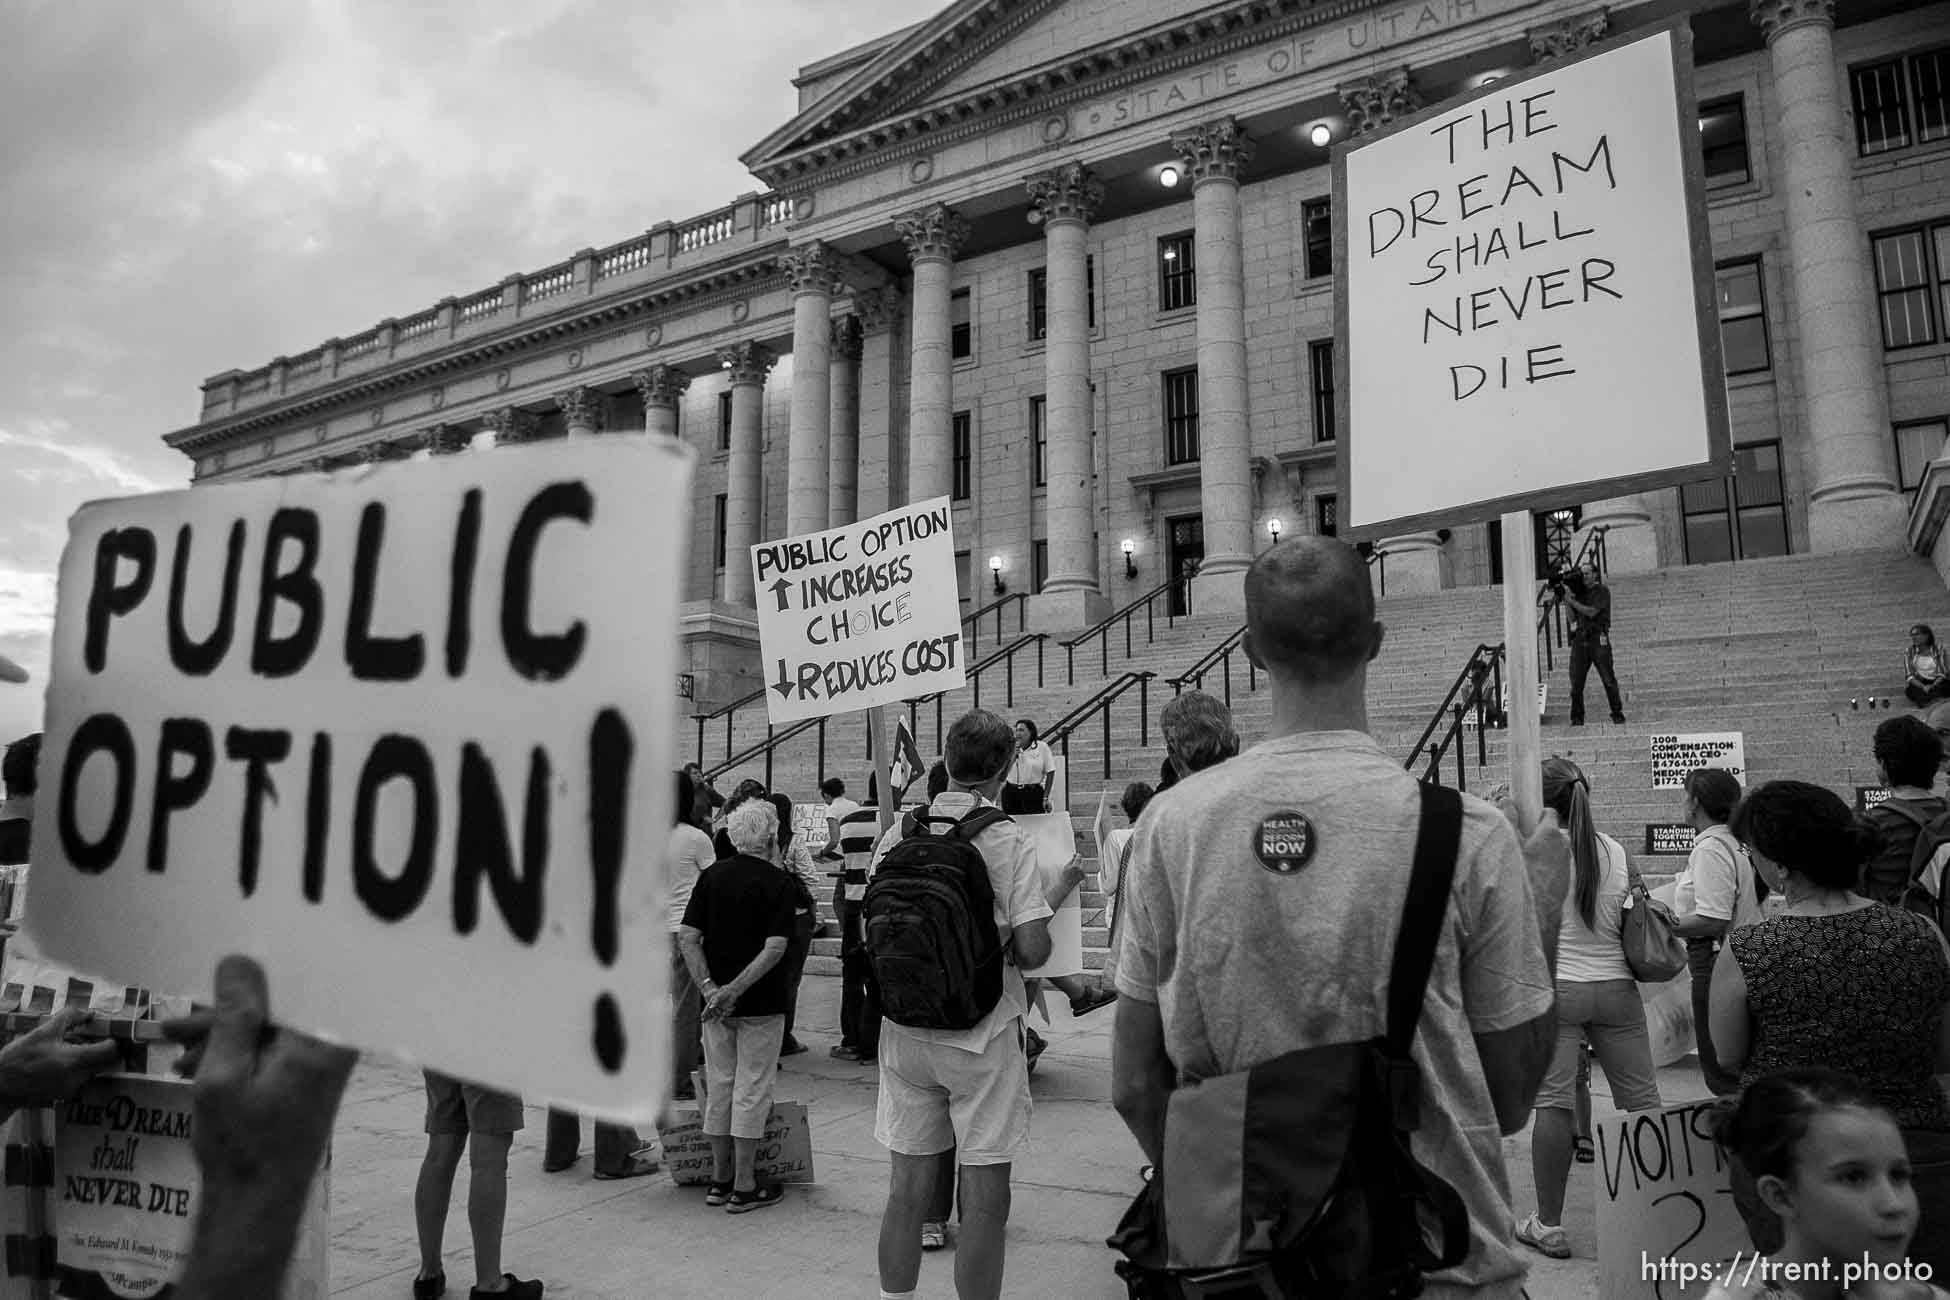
[(1295, 943)]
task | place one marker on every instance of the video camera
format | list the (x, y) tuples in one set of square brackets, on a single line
[(1563, 580)]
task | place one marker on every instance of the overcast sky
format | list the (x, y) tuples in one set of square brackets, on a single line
[(191, 186)]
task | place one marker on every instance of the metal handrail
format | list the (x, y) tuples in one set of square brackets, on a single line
[(1378, 559), (1066, 726), (1101, 631), (725, 712), (971, 621), (1478, 688), (1006, 656), (1220, 656), (769, 746)]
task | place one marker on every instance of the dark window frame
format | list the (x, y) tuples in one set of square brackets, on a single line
[(1730, 511), (1901, 102), (1039, 441), (1317, 237), (1934, 287), (1180, 424), (1177, 271), (1320, 363), (1940, 422), (962, 456), (724, 420), (961, 334), (1038, 565), (1327, 514), (721, 522), (1039, 298), (1759, 313), (1738, 103)]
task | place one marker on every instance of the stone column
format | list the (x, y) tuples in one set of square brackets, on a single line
[(1067, 198), (809, 269), (1853, 503), (662, 388), (745, 486), (933, 235), (879, 489), (843, 453), (1213, 155), (582, 409), (511, 425)]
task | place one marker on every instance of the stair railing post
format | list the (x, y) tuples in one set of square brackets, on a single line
[(822, 751)]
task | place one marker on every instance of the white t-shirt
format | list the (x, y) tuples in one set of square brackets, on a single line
[(1589, 955), (1718, 881), (1033, 764), (690, 852), (837, 810)]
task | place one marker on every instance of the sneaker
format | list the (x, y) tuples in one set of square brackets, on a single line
[(1618, 718), (515, 1290), (637, 1166), (1543, 1239), (934, 1236), (756, 1199), (791, 1047), (845, 1052), (717, 1193)]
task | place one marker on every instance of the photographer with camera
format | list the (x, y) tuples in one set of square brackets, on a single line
[(1584, 590)]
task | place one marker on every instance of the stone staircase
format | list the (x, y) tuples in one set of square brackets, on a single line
[(1774, 649)]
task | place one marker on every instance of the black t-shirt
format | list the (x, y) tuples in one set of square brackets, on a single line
[(14, 837), (737, 904), (1597, 597)]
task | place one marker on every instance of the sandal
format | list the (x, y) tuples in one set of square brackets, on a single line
[(1583, 1150), (934, 1236), (756, 1199), (1545, 1240), (716, 1193), (636, 1167)]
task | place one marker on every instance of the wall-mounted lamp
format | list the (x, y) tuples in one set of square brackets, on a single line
[(1130, 565), (1322, 135), (1168, 177), (995, 570), (1275, 527)]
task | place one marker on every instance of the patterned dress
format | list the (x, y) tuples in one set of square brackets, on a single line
[(1861, 991)]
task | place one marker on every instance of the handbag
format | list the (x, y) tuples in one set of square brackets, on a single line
[(1649, 934)]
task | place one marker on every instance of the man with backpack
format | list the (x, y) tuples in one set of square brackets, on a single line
[(1338, 984), (952, 915), (1914, 820)]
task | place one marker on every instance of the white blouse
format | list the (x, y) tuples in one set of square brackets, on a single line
[(1032, 766)]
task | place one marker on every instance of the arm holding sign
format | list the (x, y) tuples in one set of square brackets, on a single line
[(40, 1067)]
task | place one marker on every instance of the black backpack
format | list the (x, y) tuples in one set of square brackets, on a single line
[(930, 921), (1294, 1180)]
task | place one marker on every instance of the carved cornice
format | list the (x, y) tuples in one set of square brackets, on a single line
[(878, 309), (1776, 16), (933, 232), (661, 385), (511, 424), (377, 453), (1214, 150), (583, 408), (1374, 102), (1071, 192), (747, 363), (1567, 35), (846, 338), (810, 268), (443, 439)]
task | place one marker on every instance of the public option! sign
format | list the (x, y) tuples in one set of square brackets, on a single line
[(403, 734), (1525, 297), (1667, 1226), (1674, 756), (859, 616)]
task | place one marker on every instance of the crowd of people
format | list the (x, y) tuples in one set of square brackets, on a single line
[(1262, 918)]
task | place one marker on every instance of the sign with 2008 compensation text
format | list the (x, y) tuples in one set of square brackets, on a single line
[(862, 615)]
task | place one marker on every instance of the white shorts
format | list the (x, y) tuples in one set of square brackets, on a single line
[(741, 1063), (934, 1097)]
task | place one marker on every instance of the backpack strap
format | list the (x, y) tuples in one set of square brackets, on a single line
[(1437, 838), (977, 822), (1902, 809)]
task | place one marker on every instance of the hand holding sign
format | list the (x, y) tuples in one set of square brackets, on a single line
[(41, 1067)]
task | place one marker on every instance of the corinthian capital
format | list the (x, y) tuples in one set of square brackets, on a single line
[(747, 363), (511, 424), (846, 338), (1776, 16), (378, 453), (1214, 151), (1567, 35), (443, 439), (582, 407), (1374, 102), (661, 385), (811, 268), (933, 232), (877, 309), (1068, 193)]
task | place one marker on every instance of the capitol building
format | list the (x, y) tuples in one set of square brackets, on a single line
[(1070, 263)]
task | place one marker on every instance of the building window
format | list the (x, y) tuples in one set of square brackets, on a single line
[(964, 567), (1320, 359), (1039, 299), (1177, 272), (1327, 515), (724, 420), (1743, 317), (1910, 282), (1723, 141), (961, 334), (1038, 566), (1181, 416), (1038, 441), (963, 457), (1901, 102), (1317, 229), (1918, 442), (718, 517), (1739, 518)]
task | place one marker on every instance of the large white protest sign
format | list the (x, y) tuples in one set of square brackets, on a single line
[(403, 735), (1667, 1226), (1524, 282), (1673, 756), (860, 616), (1056, 847)]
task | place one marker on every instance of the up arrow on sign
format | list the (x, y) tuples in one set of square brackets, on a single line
[(779, 589)]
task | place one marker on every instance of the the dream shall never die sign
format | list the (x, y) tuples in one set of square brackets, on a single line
[(401, 734), (1525, 295)]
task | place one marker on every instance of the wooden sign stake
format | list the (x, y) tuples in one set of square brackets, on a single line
[(1520, 668)]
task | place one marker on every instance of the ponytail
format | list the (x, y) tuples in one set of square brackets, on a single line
[(1568, 794)]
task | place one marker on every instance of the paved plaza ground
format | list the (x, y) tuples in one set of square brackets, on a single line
[(628, 1240)]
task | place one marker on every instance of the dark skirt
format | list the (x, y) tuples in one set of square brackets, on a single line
[(1024, 799)]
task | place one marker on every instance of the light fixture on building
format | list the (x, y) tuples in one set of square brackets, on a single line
[(1274, 526), (995, 571), (1130, 565), (1171, 253), (1168, 177), (1322, 135)]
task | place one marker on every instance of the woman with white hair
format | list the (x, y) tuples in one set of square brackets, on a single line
[(736, 928)]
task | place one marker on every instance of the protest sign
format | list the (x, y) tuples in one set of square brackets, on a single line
[(1870, 796), (860, 616), (1665, 1205), (809, 824), (784, 1152), (1056, 845), (1668, 839), (1674, 756), (1535, 248), (403, 735)]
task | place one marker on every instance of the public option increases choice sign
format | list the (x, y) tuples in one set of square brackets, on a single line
[(859, 616), (1525, 295), (402, 734)]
